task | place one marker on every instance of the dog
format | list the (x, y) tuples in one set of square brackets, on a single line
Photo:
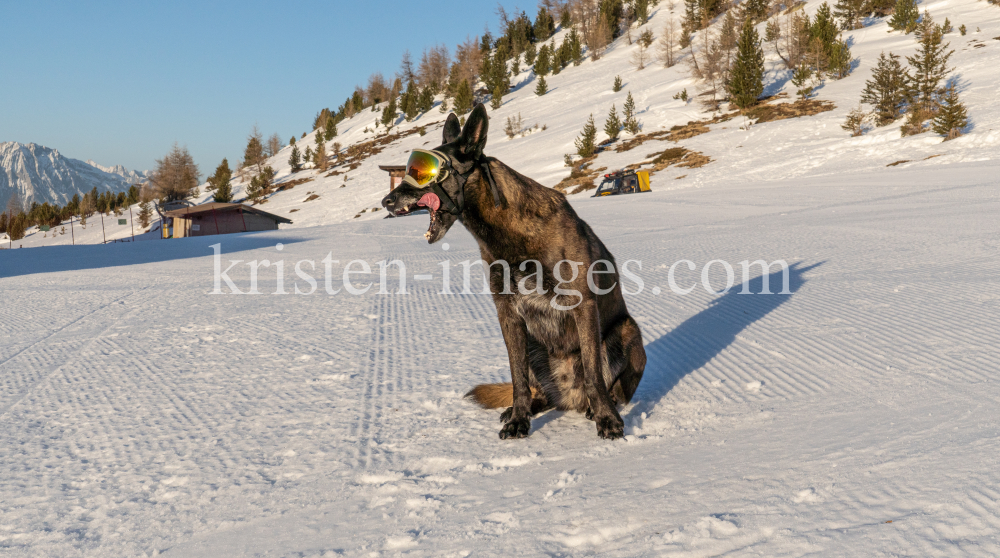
[(571, 347)]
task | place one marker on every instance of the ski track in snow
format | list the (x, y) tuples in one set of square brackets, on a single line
[(142, 415)]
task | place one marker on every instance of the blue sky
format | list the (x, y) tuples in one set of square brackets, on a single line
[(120, 82)]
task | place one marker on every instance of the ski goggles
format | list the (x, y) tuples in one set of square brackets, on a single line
[(426, 167)]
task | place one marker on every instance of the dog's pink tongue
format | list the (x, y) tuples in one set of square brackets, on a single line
[(430, 200)]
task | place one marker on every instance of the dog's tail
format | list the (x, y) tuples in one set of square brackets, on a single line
[(495, 396)]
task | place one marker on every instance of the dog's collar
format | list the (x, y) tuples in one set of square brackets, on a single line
[(462, 177)]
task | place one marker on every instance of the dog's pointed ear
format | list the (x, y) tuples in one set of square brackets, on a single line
[(473, 139), (452, 129)]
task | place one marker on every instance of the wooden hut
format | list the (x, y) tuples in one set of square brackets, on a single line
[(396, 173), (221, 218)]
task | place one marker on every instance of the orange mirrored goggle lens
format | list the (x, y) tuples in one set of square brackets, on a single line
[(423, 167)]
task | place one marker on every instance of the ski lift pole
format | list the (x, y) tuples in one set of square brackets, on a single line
[(131, 221), (102, 229), (72, 234)]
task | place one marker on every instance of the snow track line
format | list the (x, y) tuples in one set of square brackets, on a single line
[(416, 339), (5, 410)]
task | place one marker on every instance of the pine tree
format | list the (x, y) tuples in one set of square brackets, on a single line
[(631, 125), (905, 16), (331, 129), (295, 160), (543, 61), (307, 156), (16, 227), (556, 61), (495, 73), (612, 126), (496, 100), (426, 100), (145, 213), (291, 141), (617, 85), (756, 10), (224, 193), (545, 25), (410, 108), (952, 117), (575, 47), (319, 157), (800, 77), (222, 175), (389, 114), (849, 12), (253, 154), (585, 144), (824, 28), (565, 18), (255, 190), (855, 122), (541, 88), (641, 10), (746, 79), (463, 98), (530, 52), (886, 90), (930, 66), (840, 59)]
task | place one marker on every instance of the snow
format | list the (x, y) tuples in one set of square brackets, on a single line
[(142, 415)]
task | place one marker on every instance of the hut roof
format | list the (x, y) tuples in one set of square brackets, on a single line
[(209, 207)]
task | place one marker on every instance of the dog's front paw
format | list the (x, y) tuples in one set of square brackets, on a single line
[(610, 428), (516, 428), (505, 416)]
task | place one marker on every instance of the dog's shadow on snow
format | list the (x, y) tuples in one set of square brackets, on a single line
[(705, 335)]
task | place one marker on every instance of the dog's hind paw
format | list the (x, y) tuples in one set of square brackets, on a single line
[(505, 416), (516, 428), (610, 428)]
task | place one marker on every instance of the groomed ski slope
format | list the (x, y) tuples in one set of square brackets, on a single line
[(142, 415)]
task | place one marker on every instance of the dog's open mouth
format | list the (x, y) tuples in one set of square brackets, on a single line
[(432, 203)]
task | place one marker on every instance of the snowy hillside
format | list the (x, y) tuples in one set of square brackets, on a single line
[(805, 146), (792, 148), (42, 174), (141, 415)]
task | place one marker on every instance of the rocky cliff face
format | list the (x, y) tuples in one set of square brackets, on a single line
[(41, 174)]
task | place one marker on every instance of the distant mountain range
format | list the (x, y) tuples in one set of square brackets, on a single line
[(42, 174)]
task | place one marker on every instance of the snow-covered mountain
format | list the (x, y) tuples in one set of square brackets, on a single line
[(42, 174), (133, 177)]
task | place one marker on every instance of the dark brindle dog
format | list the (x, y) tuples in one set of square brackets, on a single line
[(589, 358)]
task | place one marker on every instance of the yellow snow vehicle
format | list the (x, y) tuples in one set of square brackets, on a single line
[(623, 182)]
